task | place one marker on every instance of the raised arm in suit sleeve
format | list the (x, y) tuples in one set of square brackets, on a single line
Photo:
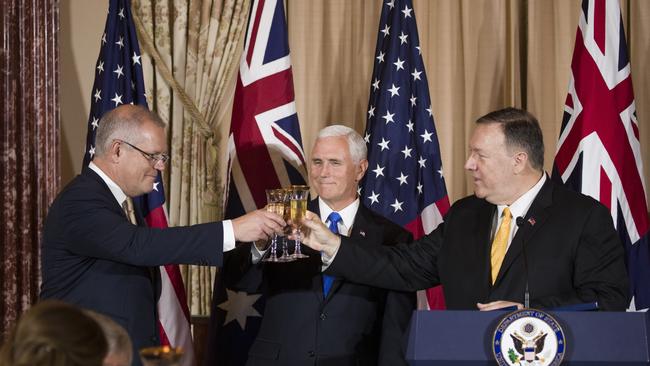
[(404, 267), (94, 226)]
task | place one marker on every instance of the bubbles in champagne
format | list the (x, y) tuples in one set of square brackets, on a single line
[(298, 210)]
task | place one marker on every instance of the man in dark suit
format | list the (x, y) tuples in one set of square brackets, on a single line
[(95, 255), (310, 319), (518, 234)]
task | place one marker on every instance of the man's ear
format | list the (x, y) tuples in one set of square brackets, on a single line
[(115, 151), (363, 166), (520, 161)]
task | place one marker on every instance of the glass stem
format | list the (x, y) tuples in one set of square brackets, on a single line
[(274, 247), (298, 242)]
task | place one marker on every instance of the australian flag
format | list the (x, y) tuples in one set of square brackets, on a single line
[(119, 80), (404, 181), (598, 152), (265, 151)]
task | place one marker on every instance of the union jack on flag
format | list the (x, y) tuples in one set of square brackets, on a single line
[(119, 80), (265, 145), (265, 149), (598, 152), (404, 182)]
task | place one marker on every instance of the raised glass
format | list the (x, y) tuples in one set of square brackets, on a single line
[(275, 199), (297, 210)]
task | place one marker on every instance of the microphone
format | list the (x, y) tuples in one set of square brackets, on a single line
[(520, 222)]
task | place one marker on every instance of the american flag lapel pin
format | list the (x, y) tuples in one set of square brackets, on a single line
[(532, 221)]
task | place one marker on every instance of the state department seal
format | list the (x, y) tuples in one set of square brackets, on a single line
[(528, 337)]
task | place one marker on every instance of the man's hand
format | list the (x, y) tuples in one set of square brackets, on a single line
[(320, 238), (495, 305), (257, 225)]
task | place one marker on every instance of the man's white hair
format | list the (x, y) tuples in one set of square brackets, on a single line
[(356, 143)]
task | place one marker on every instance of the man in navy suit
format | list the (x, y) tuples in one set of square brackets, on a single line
[(310, 319), (519, 234), (99, 256)]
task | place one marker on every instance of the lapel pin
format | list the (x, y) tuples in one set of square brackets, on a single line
[(362, 233), (532, 221)]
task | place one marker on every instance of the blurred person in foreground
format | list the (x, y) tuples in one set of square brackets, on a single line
[(311, 319), (97, 251), (520, 233), (120, 351), (53, 333)]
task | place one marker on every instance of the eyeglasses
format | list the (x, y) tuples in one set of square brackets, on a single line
[(153, 158)]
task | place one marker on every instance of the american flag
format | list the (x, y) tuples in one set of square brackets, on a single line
[(266, 152), (598, 152), (405, 181), (119, 80)]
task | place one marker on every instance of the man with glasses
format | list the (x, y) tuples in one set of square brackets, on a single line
[(97, 252)]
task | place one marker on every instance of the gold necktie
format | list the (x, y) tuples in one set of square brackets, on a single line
[(127, 205), (500, 243)]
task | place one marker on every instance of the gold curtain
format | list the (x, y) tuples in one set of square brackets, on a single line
[(480, 55), (192, 51)]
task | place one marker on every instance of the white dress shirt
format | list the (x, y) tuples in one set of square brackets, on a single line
[(519, 208)]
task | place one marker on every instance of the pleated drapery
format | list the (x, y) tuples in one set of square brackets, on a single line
[(30, 146)]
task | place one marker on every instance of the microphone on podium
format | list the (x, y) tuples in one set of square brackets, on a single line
[(520, 222)]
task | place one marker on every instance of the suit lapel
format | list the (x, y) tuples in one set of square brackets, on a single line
[(317, 286), (363, 230), (535, 217), (485, 220)]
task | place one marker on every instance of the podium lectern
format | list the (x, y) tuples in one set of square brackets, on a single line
[(464, 338)]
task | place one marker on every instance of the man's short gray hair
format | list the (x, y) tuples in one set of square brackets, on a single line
[(356, 143), (123, 123)]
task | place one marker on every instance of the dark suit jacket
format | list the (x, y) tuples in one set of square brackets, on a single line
[(93, 257), (354, 325), (566, 249)]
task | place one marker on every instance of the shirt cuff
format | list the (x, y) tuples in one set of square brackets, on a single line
[(328, 260), (256, 254), (228, 236)]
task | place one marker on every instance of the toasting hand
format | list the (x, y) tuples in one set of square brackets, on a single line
[(319, 237), (256, 225)]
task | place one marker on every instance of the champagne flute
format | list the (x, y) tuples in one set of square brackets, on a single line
[(298, 209), (287, 229), (275, 203)]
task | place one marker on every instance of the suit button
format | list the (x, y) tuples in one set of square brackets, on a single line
[(311, 354), (323, 316)]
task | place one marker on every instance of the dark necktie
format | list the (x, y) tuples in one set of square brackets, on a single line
[(334, 218)]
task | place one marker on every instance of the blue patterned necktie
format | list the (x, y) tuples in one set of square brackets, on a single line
[(334, 218)]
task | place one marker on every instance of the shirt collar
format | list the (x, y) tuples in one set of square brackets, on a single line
[(117, 192), (520, 207), (347, 214)]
